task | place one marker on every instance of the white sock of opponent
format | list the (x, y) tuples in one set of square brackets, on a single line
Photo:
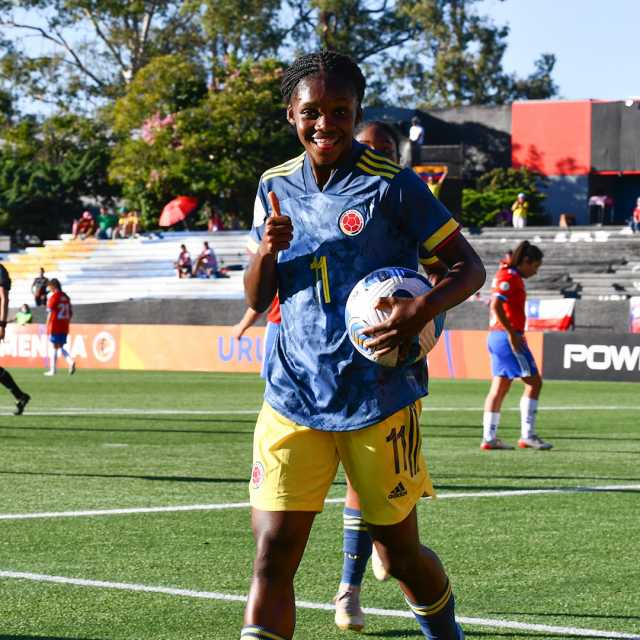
[(66, 355), (528, 410), (53, 361), (490, 422)]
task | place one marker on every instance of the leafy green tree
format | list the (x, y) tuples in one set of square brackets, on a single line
[(46, 168), (496, 191), (90, 50), (216, 147), (459, 60)]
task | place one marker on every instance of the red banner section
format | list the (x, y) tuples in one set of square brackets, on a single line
[(458, 354)]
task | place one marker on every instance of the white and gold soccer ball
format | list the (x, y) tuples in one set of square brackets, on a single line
[(360, 313)]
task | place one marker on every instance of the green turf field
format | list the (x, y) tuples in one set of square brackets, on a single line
[(537, 544)]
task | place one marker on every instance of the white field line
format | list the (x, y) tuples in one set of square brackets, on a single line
[(107, 411), (245, 505), (212, 595)]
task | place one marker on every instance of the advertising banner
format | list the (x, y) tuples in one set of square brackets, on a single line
[(592, 356), (634, 314), (458, 354)]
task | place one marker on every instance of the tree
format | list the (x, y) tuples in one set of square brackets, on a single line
[(47, 168), (460, 61), (216, 146), (92, 48), (496, 191)]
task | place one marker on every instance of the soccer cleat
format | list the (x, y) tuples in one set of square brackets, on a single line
[(21, 404), (534, 442), (49, 373), (349, 615), (496, 443), (72, 368), (378, 568)]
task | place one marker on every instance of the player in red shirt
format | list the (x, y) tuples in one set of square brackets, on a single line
[(59, 313), (510, 355)]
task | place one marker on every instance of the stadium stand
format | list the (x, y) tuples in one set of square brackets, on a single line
[(98, 271), (134, 280), (590, 263)]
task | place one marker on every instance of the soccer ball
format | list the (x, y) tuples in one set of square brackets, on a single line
[(360, 313)]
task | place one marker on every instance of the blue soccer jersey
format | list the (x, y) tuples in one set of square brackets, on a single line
[(370, 214)]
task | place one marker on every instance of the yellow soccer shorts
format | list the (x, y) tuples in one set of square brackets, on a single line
[(294, 466)]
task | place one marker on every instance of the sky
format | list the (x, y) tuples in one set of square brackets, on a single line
[(596, 43)]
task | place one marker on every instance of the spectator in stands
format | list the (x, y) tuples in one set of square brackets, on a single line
[(107, 224), (24, 315), (234, 221), (85, 227), (127, 224), (183, 265), (39, 289), (215, 222), (416, 137), (435, 186), (635, 218), (207, 264), (510, 355), (520, 211)]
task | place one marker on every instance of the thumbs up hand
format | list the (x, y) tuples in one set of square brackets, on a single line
[(278, 229)]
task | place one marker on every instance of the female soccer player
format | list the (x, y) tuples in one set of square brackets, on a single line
[(510, 355), (324, 402), (357, 547)]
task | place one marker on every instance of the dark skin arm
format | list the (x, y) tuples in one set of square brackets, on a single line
[(465, 276), (260, 278)]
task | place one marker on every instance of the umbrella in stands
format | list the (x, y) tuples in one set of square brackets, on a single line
[(177, 210)]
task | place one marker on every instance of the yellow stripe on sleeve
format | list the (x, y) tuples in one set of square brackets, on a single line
[(429, 260), (445, 231), (375, 172)]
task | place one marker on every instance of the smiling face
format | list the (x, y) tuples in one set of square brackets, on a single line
[(324, 110), (379, 140)]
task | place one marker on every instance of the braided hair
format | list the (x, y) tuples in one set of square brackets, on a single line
[(526, 250), (325, 61)]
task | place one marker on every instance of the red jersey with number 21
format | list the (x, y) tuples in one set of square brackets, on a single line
[(60, 313), (508, 285)]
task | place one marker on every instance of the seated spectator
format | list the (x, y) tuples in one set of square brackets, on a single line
[(207, 264), (127, 224), (635, 218), (85, 227), (39, 289), (24, 315), (215, 223), (107, 224), (183, 263)]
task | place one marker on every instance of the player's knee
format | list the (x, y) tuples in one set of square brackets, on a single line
[(274, 557)]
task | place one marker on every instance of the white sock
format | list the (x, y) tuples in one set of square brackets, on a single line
[(490, 422), (53, 360), (528, 409), (66, 355)]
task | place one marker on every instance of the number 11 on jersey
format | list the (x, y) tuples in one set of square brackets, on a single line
[(319, 265)]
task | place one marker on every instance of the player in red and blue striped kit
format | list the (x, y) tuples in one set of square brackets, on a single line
[(510, 355)]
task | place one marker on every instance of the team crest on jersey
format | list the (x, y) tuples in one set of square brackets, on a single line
[(257, 475), (351, 222)]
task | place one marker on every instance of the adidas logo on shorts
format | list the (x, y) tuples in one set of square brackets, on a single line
[(398, 492)]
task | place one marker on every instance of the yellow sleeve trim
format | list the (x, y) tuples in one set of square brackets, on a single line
[(376, 159), (284, 169), (375, 172), (429, 260), (446, 230)]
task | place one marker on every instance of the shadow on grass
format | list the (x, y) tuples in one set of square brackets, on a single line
[(571, 614), (126, 476), (210, 432), (496, 476)]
